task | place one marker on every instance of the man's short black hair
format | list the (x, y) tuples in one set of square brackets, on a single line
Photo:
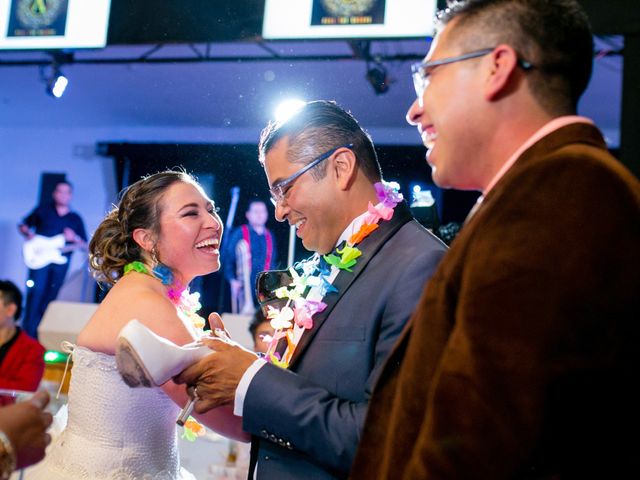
[(256, 321), (553, 35), (316, 128), (9, 293)]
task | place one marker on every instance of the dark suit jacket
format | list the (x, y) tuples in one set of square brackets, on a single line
[(308, 418), (521, 359), (23, 364)]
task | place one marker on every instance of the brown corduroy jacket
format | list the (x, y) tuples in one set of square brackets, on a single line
[(520, 360)]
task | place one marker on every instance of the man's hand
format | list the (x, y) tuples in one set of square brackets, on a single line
[(25, 425), (216, 376), (71, 236), (26, 231)]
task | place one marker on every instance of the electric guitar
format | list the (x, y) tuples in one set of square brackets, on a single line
[(40, 251)]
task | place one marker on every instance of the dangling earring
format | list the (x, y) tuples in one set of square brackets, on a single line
[(160, 270)]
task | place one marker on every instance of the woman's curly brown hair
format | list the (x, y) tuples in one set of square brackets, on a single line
[(112, 246)]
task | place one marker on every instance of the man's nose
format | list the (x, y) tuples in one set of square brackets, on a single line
[(415, 112), (281, 211)]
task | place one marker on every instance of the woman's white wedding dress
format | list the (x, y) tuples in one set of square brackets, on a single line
[(113, 431)]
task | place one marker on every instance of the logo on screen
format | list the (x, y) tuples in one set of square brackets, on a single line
[(347, 12), (37, 18)]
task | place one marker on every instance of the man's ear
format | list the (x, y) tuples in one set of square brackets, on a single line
[(144, 238), (504, 62), (344, 167)]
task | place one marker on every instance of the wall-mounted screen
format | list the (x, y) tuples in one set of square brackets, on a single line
[(53, 24), (323, 19)]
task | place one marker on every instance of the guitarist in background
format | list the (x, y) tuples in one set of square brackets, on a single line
[(249, 250), (48, 220)]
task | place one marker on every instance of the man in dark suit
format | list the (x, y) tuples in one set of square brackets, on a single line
[(325, 179), (520, 359)]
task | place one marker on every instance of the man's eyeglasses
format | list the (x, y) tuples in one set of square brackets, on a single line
[(422, 70), (279, 190)]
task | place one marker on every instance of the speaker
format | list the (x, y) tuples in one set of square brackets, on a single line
[(63, 321)]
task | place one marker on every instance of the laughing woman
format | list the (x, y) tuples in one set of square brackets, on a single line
[(164, 233)]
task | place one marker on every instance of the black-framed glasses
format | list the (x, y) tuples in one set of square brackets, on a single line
[(278, 190), (422, 70)]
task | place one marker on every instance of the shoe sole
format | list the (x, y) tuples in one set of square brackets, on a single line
[(131, 367)]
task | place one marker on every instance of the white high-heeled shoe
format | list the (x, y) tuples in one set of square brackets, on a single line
[(145, 359)]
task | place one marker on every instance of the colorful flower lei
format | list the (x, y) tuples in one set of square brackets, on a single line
[(299, 311), (187, 305)]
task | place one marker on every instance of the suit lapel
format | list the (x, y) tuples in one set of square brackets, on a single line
[(369, 247)]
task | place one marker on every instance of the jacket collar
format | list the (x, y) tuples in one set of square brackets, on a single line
[(369, 247)]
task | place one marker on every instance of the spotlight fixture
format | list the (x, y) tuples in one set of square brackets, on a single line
[(56, 83), (377, 74), (52, 76), (378, 77)]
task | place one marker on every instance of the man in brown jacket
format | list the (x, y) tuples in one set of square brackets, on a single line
[(519, 361)]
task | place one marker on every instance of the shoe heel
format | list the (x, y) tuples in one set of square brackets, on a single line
[(131, 367)]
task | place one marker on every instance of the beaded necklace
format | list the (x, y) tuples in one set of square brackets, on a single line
[(314, 273)]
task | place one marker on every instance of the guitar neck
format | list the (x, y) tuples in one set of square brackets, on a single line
[(72, 247)]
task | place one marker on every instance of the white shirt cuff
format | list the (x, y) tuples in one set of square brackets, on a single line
[(243, 386)]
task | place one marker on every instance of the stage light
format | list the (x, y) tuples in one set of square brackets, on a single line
[(287, 108), (52, 76), (30, 284), (57, 83), (378, 77)]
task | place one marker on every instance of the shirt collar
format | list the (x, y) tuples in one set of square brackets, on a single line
[(352, 228), (552, 126)]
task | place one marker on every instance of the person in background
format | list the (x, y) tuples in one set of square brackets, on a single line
[(249, 250), (521, 358), (21, 357), (23, 435), (261, 331), (49, 220)]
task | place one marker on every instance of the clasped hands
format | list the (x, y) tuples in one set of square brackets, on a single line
[(216, 376)]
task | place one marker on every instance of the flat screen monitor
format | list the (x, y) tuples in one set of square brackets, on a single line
[(53, 24), (342, 19)]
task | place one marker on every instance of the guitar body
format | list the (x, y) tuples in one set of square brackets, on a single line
[(40, 251)]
